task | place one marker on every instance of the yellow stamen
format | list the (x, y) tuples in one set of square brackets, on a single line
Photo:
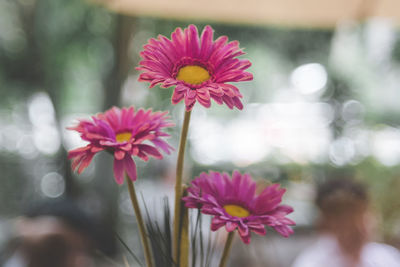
[(236, 211), (123, 137), (193, 74)]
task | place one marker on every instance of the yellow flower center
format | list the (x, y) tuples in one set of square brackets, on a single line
[(236, 211), (123, 137), (193, 74)]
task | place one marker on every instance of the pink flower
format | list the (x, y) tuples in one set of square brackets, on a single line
[(199, 68), (235, 205), (125, 133)]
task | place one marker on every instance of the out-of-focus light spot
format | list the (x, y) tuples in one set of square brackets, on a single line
[(386, 146), (206, 140), (72, 139), (41, 111), (361, 141), (11, 135), (345, 51), (42, 115), (299, 131), (341, 151), (26, 147), (296, 132), (52, 185), (380, 39), (247, 141), (47, 139), (241, 140), (352, 111), (133, 92), (309, 78)]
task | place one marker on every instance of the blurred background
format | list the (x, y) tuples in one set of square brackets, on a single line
[(324, 103)]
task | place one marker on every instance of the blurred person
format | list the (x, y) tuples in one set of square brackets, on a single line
[(58, 234), (345, 227)]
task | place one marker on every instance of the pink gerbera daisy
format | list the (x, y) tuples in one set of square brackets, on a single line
[(125, 133), (235, 204), (199, 68)]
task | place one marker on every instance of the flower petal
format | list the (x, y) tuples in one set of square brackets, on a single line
[(130, 168), (119, 154), (119, 171)]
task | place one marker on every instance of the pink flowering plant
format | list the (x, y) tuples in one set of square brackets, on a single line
[(200, 69), (124, 133), (234, 204)]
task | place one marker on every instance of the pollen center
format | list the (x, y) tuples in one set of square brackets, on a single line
[(236, 211), (193, 74), (123, 137)]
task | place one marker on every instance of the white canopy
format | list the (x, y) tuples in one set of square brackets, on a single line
[(314, 13)]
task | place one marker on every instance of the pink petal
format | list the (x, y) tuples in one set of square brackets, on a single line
[(130, 168), (230, 226), (243, 229), (177, 96), (96, 149), (119, 171), (189, 102), (119, 154), (206, 42), (258, 229), (79, 151), (216, 223), (284, 230), (206, 102), (245, 238), (151, 151), (76, 161), (237, 103), (85, 162), (193, 42)]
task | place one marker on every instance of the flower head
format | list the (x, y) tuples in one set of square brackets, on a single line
[(235, 204), (125, 133), (199, 68)]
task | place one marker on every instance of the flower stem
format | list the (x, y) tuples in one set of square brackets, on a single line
[(184, 234), (227, 248), (139, 218), (178, 188)]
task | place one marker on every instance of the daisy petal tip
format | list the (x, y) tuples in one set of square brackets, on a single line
[(119, 180), (245, 239)]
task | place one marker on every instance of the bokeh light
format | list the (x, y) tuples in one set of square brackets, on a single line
[(52, 185)]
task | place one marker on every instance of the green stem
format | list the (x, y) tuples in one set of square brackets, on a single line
[(184, 234), (178, 187), (139, 218), (227, 249)]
